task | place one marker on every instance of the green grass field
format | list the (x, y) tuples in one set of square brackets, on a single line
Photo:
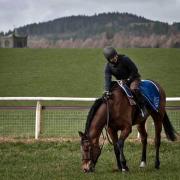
[(71, 72), (76, 73), (79, 72), (62, 161)]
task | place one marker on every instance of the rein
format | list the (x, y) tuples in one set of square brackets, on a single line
[(107, 122), (106, 128), (89, 156)]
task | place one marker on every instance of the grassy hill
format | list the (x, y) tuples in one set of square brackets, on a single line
[(79, 72)]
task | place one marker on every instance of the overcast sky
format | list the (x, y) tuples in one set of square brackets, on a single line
[(16, 13)]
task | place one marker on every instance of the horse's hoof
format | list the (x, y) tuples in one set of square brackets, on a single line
[(157, 167), (143, 164), (126, 169), (157, 164)]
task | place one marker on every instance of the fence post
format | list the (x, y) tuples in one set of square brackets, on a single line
[(38, 119)]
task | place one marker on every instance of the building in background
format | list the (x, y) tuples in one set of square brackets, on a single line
[(13, 40)]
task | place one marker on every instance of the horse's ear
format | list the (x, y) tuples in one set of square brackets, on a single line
[(81, 134)]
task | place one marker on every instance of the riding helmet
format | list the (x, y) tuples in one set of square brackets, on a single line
[(109, 52)]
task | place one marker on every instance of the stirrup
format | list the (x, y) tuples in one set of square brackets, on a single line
[(144, 112)]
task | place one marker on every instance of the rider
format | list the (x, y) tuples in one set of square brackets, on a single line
[(123, 68)]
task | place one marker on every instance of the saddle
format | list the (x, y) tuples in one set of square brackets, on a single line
[(148, 89)]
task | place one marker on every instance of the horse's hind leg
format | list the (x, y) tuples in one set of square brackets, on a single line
[(158, 128), (142, 130), (114, 137)]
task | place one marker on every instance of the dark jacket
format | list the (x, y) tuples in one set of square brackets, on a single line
[(123, 69)]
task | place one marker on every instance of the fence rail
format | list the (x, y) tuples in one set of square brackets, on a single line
[(41, 121)]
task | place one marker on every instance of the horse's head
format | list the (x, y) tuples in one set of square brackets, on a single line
[(90, 153)]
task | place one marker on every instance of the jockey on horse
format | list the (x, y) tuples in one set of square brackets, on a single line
[(123, 68)]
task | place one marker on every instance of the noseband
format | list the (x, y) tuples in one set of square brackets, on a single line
[(87, 156), (89, 152)]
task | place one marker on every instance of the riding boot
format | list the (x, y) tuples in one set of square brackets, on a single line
[(141, 103)]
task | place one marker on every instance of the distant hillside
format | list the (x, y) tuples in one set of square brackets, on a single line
[(118, 29)]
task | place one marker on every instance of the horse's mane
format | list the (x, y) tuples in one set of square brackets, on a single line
[(113, 85), (95, 107), (92, 112)]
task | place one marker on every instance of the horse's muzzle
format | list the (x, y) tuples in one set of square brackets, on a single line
[(90, 168)]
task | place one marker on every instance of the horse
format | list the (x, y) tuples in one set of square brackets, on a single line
[(119, 115)]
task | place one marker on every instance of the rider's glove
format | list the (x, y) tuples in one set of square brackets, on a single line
[(127, 81), (106, 95)]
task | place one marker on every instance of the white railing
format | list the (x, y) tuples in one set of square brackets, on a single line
[(46, 99), (62, 99), (173, 99), (39, 107)]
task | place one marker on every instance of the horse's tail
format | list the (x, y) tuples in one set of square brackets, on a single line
[(168, 128)]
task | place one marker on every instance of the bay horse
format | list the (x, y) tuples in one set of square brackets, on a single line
[(121, 116)]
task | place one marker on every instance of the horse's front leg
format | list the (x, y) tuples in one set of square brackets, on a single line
[(120, 145), (114, 136)]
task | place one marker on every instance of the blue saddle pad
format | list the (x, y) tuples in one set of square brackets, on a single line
[(151, 92)]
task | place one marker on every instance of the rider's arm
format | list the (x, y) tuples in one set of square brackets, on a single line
[(107, 77)]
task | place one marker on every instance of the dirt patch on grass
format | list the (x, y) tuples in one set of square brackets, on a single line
[(67, 139)]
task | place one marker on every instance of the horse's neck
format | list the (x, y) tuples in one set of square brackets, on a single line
[(98, 124)]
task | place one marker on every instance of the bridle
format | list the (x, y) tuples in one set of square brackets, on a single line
[(89, 151), (89, 155)]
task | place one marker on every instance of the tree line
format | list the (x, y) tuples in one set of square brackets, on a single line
[(106, 25)]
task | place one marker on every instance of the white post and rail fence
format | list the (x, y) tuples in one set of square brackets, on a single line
[(38, 108)]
